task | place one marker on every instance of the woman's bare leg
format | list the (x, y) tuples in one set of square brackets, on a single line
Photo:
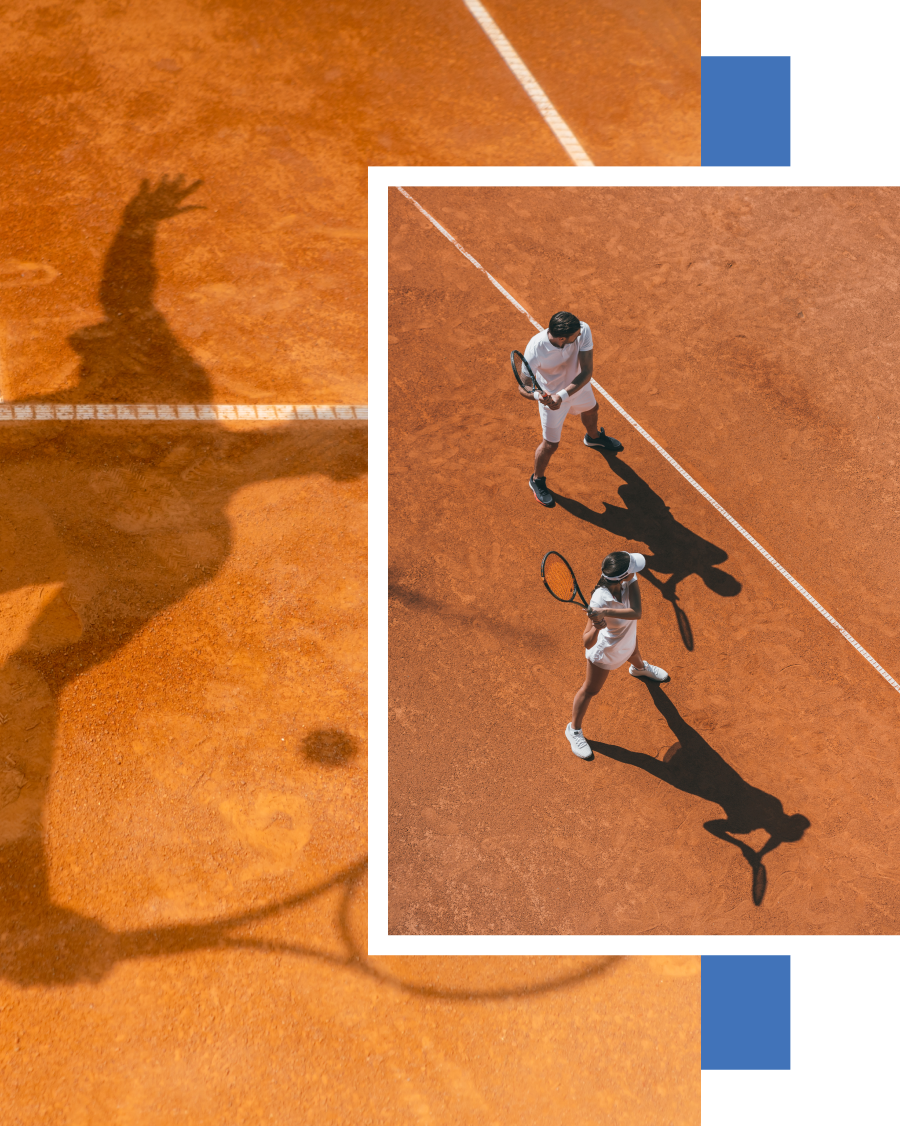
[(594, 682), (636, 658)]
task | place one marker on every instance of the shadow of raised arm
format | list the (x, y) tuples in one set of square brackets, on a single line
[(129, 274), (133, 356)]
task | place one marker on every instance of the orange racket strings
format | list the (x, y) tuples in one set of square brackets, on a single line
[(559, 578)]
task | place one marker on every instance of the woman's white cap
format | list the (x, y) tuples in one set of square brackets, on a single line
[(636, 563)]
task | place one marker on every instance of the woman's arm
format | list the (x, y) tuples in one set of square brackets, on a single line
[(592, 629), (634, 613)]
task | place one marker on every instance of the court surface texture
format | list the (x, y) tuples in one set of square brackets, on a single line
[(753, 335), (182, 592)]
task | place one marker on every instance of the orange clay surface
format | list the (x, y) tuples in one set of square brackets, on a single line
[(182, 629), (754, 333)]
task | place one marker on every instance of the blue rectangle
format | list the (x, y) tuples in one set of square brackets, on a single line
[(745, 1014), (745, 110)]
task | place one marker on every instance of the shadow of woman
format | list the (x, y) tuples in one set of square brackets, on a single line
[(673, 549), (102, 527), (693, 766)]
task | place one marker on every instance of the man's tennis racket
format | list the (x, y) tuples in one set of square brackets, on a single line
[(527, 381), (559, 579)]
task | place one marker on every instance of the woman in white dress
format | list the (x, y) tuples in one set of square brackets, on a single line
[(610, 637)]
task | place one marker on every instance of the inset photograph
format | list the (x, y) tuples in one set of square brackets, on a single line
[(643, 542)]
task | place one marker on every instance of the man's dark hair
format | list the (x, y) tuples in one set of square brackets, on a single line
[(563, 324)]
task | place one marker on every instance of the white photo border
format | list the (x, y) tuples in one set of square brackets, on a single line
[(380, 181)]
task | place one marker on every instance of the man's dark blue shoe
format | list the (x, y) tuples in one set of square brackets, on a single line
[(541, 492), (602, 442)]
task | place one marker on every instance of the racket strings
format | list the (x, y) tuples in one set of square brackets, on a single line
[(559, 578)]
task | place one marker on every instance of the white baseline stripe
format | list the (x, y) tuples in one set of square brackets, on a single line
[(747, 535), (175, 412), (534, 90), (664, 453), (450, 238)]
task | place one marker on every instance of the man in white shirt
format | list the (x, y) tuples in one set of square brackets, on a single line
[(562, 359)]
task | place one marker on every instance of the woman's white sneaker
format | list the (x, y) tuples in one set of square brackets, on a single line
[(578, 742), (650, 672)]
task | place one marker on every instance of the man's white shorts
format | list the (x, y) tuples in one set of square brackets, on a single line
[(583, 400)]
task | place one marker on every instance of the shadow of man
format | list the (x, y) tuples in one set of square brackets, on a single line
[(673, 549), (102, 527), (693, 766)]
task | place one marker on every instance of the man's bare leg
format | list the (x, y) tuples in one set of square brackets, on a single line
[(589, 420), (544, 452)]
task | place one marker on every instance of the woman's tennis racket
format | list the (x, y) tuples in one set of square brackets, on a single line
[(559, 579), (527, 381)]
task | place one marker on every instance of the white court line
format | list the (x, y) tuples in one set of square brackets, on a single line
[(450, 238), (175, 412), (534, 90), (664, 453)]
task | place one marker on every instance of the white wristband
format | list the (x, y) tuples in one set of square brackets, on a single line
[(563, 395)]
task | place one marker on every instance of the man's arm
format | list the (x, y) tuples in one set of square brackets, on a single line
[(538, 394), (586, 359)]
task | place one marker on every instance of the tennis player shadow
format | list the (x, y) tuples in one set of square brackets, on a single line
[(143, 509), (695, 767), (104, 527), (672, 548)]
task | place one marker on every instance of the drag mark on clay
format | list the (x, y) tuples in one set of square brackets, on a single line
[(798, 586), (14, 273)]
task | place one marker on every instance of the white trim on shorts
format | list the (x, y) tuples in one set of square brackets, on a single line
[(551, 421)]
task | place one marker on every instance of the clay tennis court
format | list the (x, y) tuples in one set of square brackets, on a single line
[(753, 334), (182, 676)]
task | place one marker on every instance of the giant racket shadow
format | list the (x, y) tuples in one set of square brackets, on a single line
[(151, 525), (695, 767), (673, 549)]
